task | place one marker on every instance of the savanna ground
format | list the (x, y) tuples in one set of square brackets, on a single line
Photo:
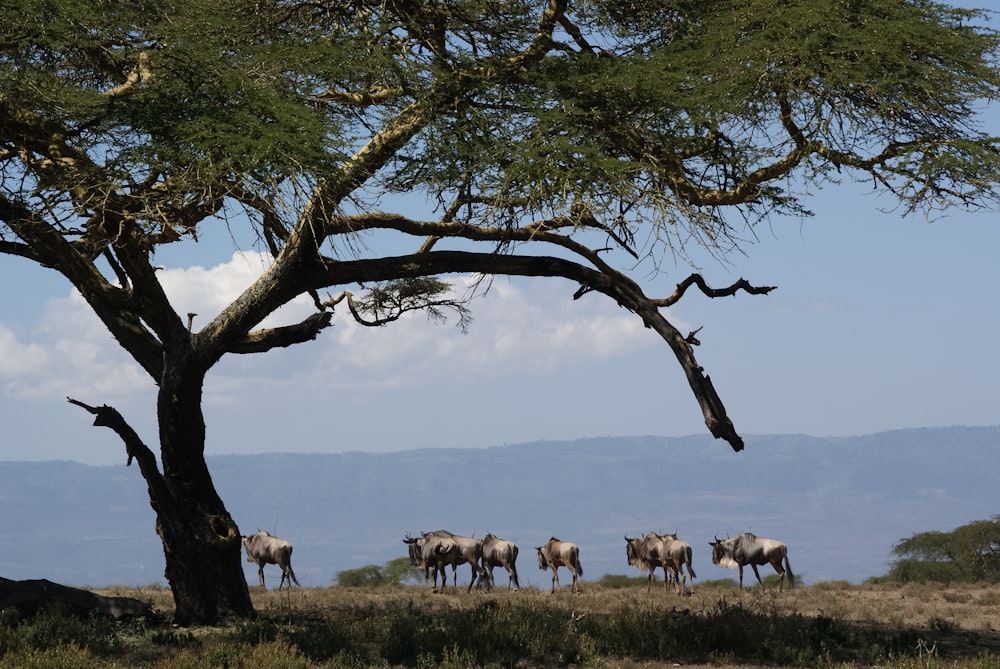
[(831, 624)]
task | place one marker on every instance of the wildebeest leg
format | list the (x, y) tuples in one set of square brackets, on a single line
[(512, 582), (555, 578), (472, 579), (781, 573), (741, 577), (260, 574), (671, 569), (757, 574)]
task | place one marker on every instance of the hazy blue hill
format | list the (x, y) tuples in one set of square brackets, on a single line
[(840, 503)]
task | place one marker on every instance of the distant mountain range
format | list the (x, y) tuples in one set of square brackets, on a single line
[(839, 503)]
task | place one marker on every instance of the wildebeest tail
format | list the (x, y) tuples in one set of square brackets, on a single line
[(788, 570), (579, 567), (690, 568)]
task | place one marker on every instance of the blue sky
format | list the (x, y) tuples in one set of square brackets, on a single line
[(879, 322)]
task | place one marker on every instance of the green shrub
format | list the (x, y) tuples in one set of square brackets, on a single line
[(622, 581), (923, 571), (393, 572), (56, 627), (367, 576)]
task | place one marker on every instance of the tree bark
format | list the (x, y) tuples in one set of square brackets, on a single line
[(201, 542)]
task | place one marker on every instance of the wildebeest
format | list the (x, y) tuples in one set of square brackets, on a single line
[(749, 549), (263, 549), (646, 553), (678, 553), (432, 552), (500, 553), (440, 548), (555, 554), (661, 550)]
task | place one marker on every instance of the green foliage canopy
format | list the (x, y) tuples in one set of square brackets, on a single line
[(968, 553), (595, 129)]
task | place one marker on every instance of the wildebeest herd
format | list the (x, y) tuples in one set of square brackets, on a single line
[(433, 552)]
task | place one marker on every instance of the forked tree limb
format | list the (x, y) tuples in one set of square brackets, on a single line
[(160, 497), (105, 416)]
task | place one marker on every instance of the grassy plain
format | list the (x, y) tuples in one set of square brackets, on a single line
[(832, 624)]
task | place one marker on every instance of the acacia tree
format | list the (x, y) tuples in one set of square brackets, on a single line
[(970, 552), (577, 139)]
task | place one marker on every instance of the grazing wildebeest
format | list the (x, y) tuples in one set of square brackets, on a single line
[(263, 549), (749, 549), (431, 552), (555, 554), (500, 553)]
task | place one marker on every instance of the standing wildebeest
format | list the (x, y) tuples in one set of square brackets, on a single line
[(647, 553), (749, 549), (661, 550), (678, 553), (264, 549), (431, 552), (502, 553), (555, 554), (470, 550), (440, 548)]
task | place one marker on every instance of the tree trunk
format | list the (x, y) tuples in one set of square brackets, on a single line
[(201, 542), (203, 558)]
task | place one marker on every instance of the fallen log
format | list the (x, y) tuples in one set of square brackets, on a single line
[(30, 596)]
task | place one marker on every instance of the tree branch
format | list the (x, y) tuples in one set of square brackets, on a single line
[(109, 417), (160, 497), (622, 289), (282, 337), (697, 279)]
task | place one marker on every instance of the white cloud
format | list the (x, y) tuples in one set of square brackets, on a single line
[(523, 328), (206, 292), (71, 353)]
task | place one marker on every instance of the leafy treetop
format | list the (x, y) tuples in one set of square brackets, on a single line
[(599, 131)]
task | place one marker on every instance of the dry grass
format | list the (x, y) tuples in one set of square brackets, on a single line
[(960, 621)]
